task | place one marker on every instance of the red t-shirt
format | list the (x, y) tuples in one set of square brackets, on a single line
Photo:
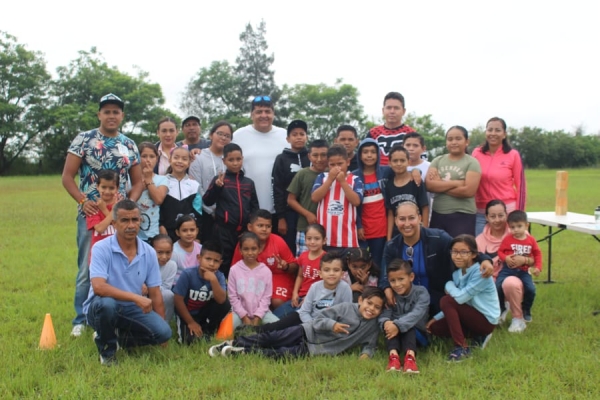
[(373, 214), (94, 220), (310, 271), (283, 281)]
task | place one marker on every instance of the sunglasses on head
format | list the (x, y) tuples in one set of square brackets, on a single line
[(259, 99)]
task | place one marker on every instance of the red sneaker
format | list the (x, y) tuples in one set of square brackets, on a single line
[(394, 363), (410, 365)]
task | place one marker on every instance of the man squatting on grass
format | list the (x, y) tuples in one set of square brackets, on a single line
[(116, 308)]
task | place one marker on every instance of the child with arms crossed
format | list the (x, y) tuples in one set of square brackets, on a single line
[(101, 222)]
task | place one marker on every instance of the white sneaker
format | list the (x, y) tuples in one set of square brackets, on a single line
[(77, 330), (215, 351), (229, 350), (517, 325)]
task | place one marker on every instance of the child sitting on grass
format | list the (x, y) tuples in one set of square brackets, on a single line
[(335, 330), (401, 321)]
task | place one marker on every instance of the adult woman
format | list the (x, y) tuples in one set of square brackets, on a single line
[(207, 165), (502, 175), (167, 133), (488, 243), (454, 178), (428, 249)]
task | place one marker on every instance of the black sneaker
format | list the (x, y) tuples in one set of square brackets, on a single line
[(481, 341), (109, 361), (527, 316)]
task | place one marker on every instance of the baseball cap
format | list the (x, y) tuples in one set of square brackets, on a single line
[(297, 123), (191, 117), (112, 99)]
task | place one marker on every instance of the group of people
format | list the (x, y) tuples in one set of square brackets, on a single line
[(315, 247)]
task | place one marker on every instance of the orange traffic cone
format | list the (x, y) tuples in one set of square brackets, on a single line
[(48, 338), (225, 331)]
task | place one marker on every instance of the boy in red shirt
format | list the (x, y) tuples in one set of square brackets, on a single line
[(101, 223)]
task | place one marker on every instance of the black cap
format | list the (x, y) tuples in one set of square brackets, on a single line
[(111, 99), (189, 118), (297, 123)]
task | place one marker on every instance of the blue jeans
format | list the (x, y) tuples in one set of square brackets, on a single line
[(480, 222), (528, 286), (136, 328), (285, 309), (82, 282)]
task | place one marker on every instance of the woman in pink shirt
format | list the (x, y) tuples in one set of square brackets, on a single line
[(502, 175)]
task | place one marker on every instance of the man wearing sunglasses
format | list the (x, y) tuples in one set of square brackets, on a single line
[(261, 143)]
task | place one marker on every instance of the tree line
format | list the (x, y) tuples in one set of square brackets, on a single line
[(40, 115)]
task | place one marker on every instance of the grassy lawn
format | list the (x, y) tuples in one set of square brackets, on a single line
[(556, 357)]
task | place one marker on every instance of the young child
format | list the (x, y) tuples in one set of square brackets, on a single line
[(347, 136), (522, 258), (403, 188), (250, 285), (414, 143), (201, 296), (207, 165), (285, 167), (101, 223), (300, 189), (333, 331), (324, 293), (401, 321), (274, 253), (156, 187), (182, 197), (338, 194), (236, 199), (187, 248), (471, 303), (163, 245), (361, 271)]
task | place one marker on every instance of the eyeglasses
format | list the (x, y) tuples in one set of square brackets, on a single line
[(259, 99), (462, 253), (223, 135)]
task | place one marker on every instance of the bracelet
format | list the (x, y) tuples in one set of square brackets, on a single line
[(83, 200)]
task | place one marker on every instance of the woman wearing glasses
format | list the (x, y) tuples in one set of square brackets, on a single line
[(207, 165), (429, 250)]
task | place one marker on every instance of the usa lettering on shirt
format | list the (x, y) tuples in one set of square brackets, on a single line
[(520, 249), (200, 295)]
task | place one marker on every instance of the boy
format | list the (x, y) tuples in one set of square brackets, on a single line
[(415, 144), (338, 194), (347, 136), (335, 330), (372, 215), (285, 167), (236, 199), (522, 258), (275, 254), (100, 223), (393, 130), (401, 321), (300, 189), (201, 296)]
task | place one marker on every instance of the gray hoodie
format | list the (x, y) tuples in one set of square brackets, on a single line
[(410, 311)]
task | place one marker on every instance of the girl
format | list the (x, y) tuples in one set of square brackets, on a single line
[(471, 302), (183, 197), (156, 187), (167, 133), (361, 271), (454, 178), (186, 249), (250, 286), (207, 165), (402, 188), (502, 174), (163, 245)]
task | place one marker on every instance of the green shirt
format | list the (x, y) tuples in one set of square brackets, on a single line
[(450, 170), (301, 186)]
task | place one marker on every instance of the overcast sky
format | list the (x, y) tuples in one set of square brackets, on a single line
[(533, 63)]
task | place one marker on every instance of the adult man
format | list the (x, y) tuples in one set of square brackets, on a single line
[(121, 264), (191, 130), (261, 143), (393, 130), (90, 152)]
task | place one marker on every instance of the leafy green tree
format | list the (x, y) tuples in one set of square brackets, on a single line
[(24, 83), (324, 108), (433, 133)]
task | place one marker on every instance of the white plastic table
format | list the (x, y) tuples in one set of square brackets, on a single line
[(582, 223)]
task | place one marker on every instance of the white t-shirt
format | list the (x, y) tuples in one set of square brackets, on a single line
[(260, 150)]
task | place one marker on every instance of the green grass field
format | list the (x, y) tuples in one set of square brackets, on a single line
[(555, 358)]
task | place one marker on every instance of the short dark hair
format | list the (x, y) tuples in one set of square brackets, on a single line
[(125, 204), (337, 150), (517, 216), (230, 147), (398, 147), (372, 291), (211, 246), (109, 175), (262, 101), (331, 256), (318, 143), (260, 213), (343, 128), (399, 264), (415, 135), (396, 96)]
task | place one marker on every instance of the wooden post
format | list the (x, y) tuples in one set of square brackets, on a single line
[(562, 184)]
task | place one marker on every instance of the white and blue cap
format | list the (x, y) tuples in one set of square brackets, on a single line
[(112, 99)]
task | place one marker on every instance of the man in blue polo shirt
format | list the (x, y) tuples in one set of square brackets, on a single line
[(116, 308)]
